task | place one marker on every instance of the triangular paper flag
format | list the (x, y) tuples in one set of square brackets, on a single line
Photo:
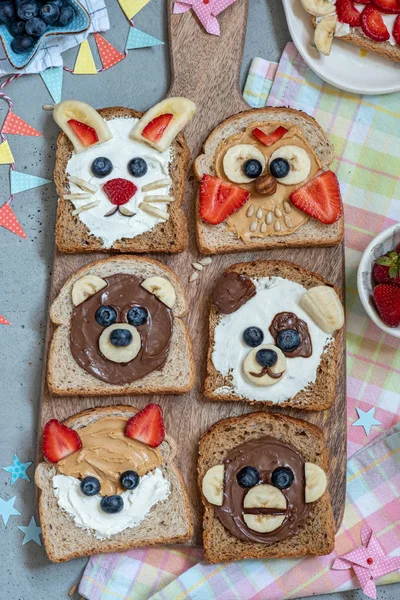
[(108, 54), (84, 61), (140, 39), (132, 7), (4, 321), (6, 156), (23, 181), (9, 221), (17, 126), (53, 80)]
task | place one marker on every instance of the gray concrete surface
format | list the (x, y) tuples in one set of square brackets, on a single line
[(25, 269)]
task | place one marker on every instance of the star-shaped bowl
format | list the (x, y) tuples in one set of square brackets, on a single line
[(79, 24)]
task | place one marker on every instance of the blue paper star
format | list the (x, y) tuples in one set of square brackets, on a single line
[(18, 470), (7, 509), (366, 420), (32, 532)]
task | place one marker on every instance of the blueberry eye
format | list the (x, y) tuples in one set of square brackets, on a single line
[(288, 340), (252, 168), (129, 480), (137, 167), (105, 316), (102, 166), (90, 486), (282, 478), (279, 167), (248, 477), (137, 316), (253, 336)]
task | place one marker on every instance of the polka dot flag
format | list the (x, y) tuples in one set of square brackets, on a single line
[(17, 126), (53, 80), (132, 7), (84, 61), (9, 221), (20, 182), (140, 39), (4, 321), (109, 55)]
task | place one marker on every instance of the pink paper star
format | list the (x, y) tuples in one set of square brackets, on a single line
[(206, 11), (369, 562)]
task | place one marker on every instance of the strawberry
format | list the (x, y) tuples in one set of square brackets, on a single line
[(155, 129), (387, 268), (397, 249), (219, 199), (347, 12), (147, 426), (320, 198), (373, 25), (119, 191), (387, 6), (396, 30), (269, 138), (387, 300), (86, 134), (59, 441)]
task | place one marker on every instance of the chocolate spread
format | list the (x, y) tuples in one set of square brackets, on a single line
[(265, 454), (122, 293), (288, 320), (232, 291)]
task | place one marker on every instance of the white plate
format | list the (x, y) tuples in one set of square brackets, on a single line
[(345, 68)]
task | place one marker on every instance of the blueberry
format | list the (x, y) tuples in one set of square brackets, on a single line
[(288, 340), (279, 167), (137, 316), (112, 504), (67, 15), (105, 316), (248, 477), (22, 43), (35, 27), (7, 12), (137, 167), (252, 168), (101, 166), (58, 3), (282, 478), (120, 337), (16, 28), (253, 336), (49, 13), (129, 480), (27, 10), (266, 357), (90, 486)]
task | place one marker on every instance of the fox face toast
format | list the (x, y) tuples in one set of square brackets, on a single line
[(121, 177), (265, 182), (109, 483)]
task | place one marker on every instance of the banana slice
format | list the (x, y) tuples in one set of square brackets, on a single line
[(324, 307), (85, 287), (323, 34), (182, 110), (236, 157), (213, 485), (299, 162), (250, 365), (318, 8), (119, 354), (162, 289), (316, 482), (85, 114), (264, 496)]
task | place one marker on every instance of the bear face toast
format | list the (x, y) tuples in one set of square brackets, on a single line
[(119, 331), (265, 182), (109, 483), (121, 177)]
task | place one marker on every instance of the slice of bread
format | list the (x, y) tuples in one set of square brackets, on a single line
[(317, 534), (318, 395), (216, 239), (66, 377), (73, 236), (168, 522)]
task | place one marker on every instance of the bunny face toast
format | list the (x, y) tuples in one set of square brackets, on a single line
[(120, 175)]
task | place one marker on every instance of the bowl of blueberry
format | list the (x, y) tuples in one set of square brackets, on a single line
[(24, 24)]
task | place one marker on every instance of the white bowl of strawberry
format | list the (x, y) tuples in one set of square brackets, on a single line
[(378, 280)]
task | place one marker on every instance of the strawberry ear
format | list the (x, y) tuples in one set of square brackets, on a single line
[(147, 426), (83, 125), (59, 441)]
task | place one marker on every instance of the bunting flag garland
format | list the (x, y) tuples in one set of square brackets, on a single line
[(4, 321), (6, 156), (84, 61), (132, 7), (109, 55), (140, 39), (20, 182), (17, 126), (53, 80), (9, 221)]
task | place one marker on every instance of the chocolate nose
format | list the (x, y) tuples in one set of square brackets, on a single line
[(112, 504), (121, 337)]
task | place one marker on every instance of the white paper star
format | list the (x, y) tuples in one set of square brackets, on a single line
[(32, 532), (7, 509), (366, 420), (17, 470)]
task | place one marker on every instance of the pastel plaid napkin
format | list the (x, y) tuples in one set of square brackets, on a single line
[(366, 134)]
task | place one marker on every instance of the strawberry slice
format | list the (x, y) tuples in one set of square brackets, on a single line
[(387, 6), (387, 300), (373, 25), (86, 134), (59, 441), (320, 198), (347, 12), (119, 191), (155, 129), (271, 138), (147, 426), (396, 30), (219, 199)]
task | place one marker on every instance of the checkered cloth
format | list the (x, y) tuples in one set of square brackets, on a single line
[(366, 135)]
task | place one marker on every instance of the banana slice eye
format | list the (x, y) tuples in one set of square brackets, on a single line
[(243, 163), (291, 165)]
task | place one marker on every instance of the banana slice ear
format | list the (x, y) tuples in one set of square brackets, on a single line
[(162, 289), (85, 287), (316, 482), (213, 485), (81, 123)]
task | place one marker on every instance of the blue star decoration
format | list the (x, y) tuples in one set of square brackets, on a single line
[(18, 470), (366, 420), (32, 532), (7, 509)]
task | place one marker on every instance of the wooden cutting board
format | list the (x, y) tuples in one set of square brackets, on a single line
[(206, 69)]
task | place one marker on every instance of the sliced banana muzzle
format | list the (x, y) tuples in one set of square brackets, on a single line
[(299, 163), (236, 157), (80, 114), (162, 289), (324, 307), (120, 342), (316, 481), (85, 287), (318, 8), (324, 33), (213, 485), (257, 374), (264, 496)]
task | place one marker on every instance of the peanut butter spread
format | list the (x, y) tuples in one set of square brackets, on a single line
[(106, 453), (264, 215)]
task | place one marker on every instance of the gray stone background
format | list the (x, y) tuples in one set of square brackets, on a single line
[(25, 268)]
